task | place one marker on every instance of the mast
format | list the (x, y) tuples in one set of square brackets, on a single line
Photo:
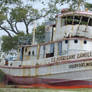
[(78, 4), (33, 39)]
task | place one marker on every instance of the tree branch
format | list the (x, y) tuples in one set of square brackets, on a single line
[(6, 31), (16, 27), (12, 27), (26, 25)]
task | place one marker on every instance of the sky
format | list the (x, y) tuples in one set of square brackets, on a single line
[(35, 5)]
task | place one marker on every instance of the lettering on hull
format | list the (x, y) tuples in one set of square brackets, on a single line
[(80, 65)]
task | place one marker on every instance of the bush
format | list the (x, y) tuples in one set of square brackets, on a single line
[(2, 76)]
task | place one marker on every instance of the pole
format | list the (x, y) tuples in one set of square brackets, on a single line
[(78, 4), (34, 29)]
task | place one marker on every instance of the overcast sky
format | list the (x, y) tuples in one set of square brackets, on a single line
[(36, 5)]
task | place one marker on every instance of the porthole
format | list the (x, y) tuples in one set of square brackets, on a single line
[(66, 41), (85, 42), (75, 41)]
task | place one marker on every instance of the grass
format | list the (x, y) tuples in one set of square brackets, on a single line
[(44, 90)]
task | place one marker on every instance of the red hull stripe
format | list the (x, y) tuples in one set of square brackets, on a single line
[(54, 87), (49, 83)]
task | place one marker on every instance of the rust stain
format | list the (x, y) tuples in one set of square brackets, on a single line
[(81, 41), (24, 71), (49, 70), (36, 71), (29, 72)]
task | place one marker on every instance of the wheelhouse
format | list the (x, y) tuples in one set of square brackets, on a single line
[(75, 19)]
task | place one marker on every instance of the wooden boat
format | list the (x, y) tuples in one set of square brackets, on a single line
[(64, 60)]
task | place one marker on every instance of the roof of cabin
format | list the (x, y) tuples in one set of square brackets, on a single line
[(81, 13)]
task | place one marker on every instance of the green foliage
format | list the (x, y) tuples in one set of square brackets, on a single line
[(9, 1), (25, 13), (75, 4), (10, 43), (52, 9), (40, 34), (2, 76), (18, 14), (88, 5), (25, 39), (14, 12), (2, 17)]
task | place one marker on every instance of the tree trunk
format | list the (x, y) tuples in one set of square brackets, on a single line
[(16, 27), (27, 31), (26, 25)]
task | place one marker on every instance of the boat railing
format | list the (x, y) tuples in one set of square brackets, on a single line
[(68, 56)]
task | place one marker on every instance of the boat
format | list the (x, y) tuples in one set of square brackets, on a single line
[(65, 59)]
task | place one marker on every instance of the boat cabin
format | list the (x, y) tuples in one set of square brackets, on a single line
[(72, 34), (74, 24)]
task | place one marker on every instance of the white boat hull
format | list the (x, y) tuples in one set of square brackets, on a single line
[(76, 72)]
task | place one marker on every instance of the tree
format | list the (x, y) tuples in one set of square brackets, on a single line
[(40, 33), (51, 10), (26, 14), (4, 16), (9, 43), (14, 12), (89, 6), (55, 6), (2, 76), (11, 17), (76, 4), (19, 39)]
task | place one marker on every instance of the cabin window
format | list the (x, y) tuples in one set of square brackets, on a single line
[(90, 22), (32, 53), (77, 20), (21, 53), (73, 20), (70, 20), (85, 42), (25, 49), (60, 48), (84, 21), (66, 41), (29, 53), (19, 50), (51, 54), (51, 48), (75, 41), (44, 51)]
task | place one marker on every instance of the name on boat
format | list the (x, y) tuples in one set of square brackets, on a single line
[(76, 56)]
